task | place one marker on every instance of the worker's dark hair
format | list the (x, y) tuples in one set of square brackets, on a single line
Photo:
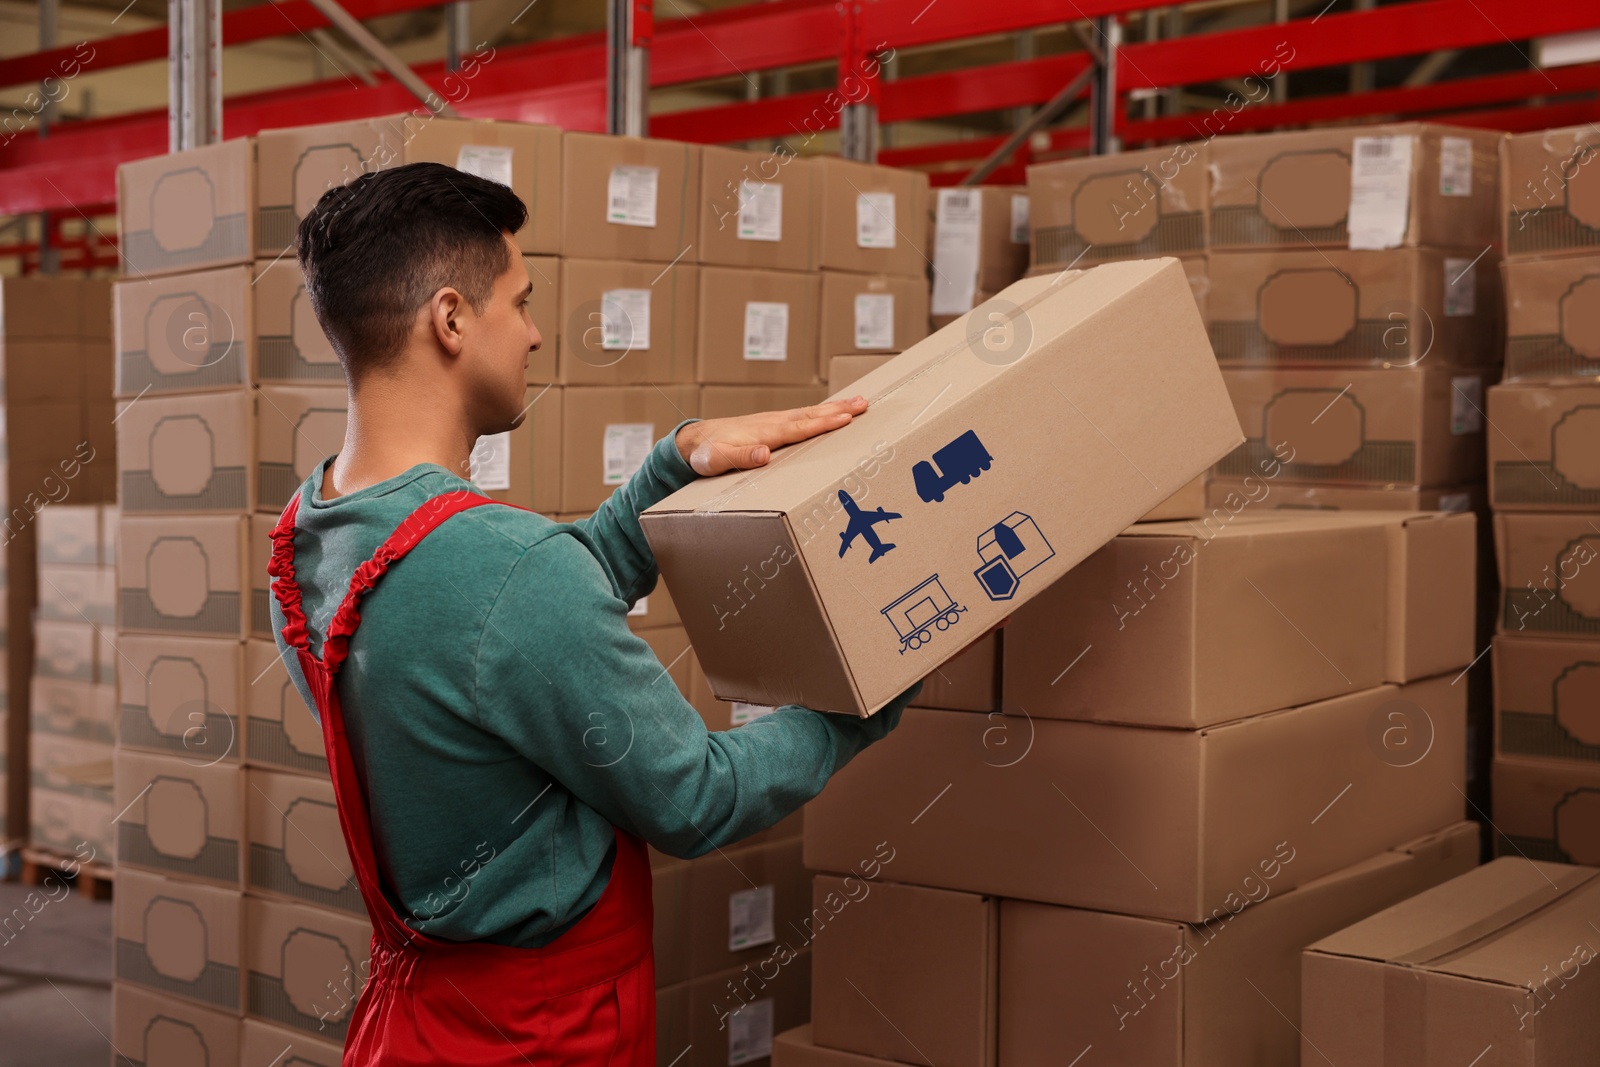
[(374, 251)]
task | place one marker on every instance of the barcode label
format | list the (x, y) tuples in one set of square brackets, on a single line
[(760, 211), (750, 918), (626, 446), (1380, 192), (875, 321), (631, 195), (490, 461), (1455, 166), (1019, 220), (625, 320), (750, 1033), (1460, 287), (766, 331), (958, 230), (1466, 404), (1374, 147), (1455, 501), (486, 161), (875, 220), (743, 713)]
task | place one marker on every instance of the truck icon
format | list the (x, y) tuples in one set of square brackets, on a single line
[(959, 461), (917, 613)]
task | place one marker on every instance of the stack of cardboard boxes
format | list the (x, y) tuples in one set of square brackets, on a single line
[(980, 246), (1544, 484)]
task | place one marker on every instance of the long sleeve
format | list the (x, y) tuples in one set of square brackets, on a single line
[(614, 530)]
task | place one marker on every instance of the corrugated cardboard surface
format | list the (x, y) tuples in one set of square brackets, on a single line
[(1545, 453), (1187, 503), (180, 938), (82, 534), (188, 332), (733, 1017), (1235, 495), (586, 412), (290, 346), (279, 730), (260, 546), (297, 427), (544, 307), (1547, 811), (1547, 699), (969, 682), (183, 575), (841, 185), (905, 973), (794, 1048), (184, 819), (722, 172), (295, 166), (1549, 575), (665, 354), (73, 592), (1164, 994), (721, 332), (67, 651), (188, 210), (730, 401), (54, 306), (1137, 204), (1552, 325), (187, 453), (1189, 811), (530, 476), (71, 825), (845, 371), (72, 766), (1492, 959), (296, 849), (305, 967), (156, 1030), (263, 1046), (73, 709), (839, 314), (587, 163), (1550, 192)]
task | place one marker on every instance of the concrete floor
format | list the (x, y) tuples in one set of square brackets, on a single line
[(55, 981)]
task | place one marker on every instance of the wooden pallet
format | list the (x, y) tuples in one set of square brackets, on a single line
[(93, 880)]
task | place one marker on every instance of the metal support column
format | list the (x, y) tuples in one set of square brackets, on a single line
[(194, 73), (457, 32), (1362, 78), (858, 84), (1106, 104), (1280, 84), (381, 54), (630, 25), (49, 254)]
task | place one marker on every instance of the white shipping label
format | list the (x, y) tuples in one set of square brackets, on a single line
[(1466, 404), (875, 220), (957, 232), (1455, 501), (486, 161), (875, 320), (625, 320), (490, 462), (1380, 192), (766, 331), (640, 607), (1460, 287), (631, 195), (750, 1033), (627, 446), (1455, 166), (750, 918), (743, 713), (760, 211), (1019, 220)]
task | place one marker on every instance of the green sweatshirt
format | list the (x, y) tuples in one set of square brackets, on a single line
[(504, 717)]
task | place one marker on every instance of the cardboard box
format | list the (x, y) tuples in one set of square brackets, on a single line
[(1486, 960), (1234, 495), (291, 348), (757, 327), (968, 682), (1165, 994), (83, 710), (68, 765), (845, 371), (1547, 811), (1189, 812), (264, 1045), (54, 306), (186, 453), (907, 973), (72, 592), (189, 210), (183, 818), (523, 155), (627, 323), (1187, 503), (186, 333), (83, 534), (260, 544), (795, 1048), (297, 850), (733, 1017), (1364, 187), (1549, 192), (1552, 329), (183, 575), (67, 651), (757, 209), (719, 714), (1547, 699), (844, 630), (544, 308), (1128, 206), (629, 198), (1549, 575), (1400, 308), (1248, 616), (731, 401), (279, 730), (69, 824), (151, 1029), (305, 967), (182, 697), (669, 890), (980, 244), (522, 466), (297, 427), (608, 433), (1545, 453), (870, 219), (180, 938), (1410, 426), (46, 370), (871, 313)]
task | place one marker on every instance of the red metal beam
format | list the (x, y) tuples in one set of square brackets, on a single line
[(908, 23)]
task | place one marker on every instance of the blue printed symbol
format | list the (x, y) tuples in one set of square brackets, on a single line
[(861, 524), (916, 614), (1009, 549), (959, 461)]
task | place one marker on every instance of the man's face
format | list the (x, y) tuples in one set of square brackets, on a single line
[(500, 344)]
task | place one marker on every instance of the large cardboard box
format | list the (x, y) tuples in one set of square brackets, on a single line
[(795, 1048), (185, 333), (188, 210), (182, 697), (1405, 426), (757, 210), (608, 433), (1161, 823), (260, 545), (871, 313), (845, 371), (905, 972), (719, 714), (1549, 575), (845, 630), (1550, 193), (871, 219), (291, 348), (730, 401), (71, 825), (149, 1029), (757, 327), (1235, 495), (1187, 503), (1545, 452), (80, 534), (1552, 321), (70, 766), (265, 1045), (279, 730), (296, 849), (83, 710), (970, 681), (56, 370), (180, 938), (627, 323), (733, 1017), (980, 244), (183, 818), (183, 575), (1547, 811), (305, 967), (522, 466), (297, 427), (1400, 308), (72, 592), (629, 198), (1490, 960), (1247, 616), (1364, 187), (54, 306), (1164, 994), (1128, 206), (67, 651), (1547, 699), (544, 308), (187, 453)]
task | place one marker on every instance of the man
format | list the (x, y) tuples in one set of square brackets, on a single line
[(502, 745)]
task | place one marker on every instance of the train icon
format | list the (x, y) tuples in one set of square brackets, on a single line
[(959, 461), (917, 613)]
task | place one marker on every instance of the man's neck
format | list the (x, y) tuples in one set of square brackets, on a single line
[(388, 431)]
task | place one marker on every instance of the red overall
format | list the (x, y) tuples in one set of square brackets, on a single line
[(586, 998)]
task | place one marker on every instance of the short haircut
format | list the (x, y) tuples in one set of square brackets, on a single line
[(376, 250)]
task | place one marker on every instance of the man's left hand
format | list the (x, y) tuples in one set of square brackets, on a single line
[(715, 446)]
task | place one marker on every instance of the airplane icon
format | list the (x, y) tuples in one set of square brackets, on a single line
[(861, 524)]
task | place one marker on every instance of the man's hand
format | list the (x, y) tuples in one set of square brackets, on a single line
[(716, 446)]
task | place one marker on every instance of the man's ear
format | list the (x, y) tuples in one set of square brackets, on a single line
[(448, 310)]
